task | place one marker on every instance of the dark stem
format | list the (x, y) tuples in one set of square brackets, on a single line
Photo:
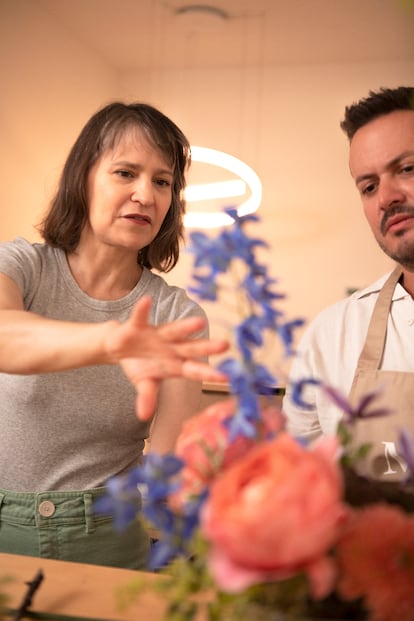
[(33, 585)]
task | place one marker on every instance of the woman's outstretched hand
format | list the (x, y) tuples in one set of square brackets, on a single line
[(149, 354)]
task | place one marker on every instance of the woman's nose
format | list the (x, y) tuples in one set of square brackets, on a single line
[(143, 191)]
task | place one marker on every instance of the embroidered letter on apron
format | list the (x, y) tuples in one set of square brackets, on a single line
[(397, 394)]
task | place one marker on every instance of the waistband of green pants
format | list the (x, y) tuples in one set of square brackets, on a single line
[(47, 508)]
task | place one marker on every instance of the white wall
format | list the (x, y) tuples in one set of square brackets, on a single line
[(50, 84)]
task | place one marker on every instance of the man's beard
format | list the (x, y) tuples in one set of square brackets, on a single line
[(404, 255)]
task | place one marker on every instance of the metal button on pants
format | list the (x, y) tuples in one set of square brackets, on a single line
[(47, 508)]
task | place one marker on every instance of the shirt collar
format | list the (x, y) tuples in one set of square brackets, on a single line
[(399, 291)]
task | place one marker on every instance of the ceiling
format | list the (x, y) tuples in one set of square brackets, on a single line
[(151, 34)]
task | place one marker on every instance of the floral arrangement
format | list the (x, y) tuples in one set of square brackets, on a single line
[(254, 523)]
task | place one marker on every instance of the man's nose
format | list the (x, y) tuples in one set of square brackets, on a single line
[(390, 193)]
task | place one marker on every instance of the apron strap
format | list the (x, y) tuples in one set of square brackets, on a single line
[(372, 352)]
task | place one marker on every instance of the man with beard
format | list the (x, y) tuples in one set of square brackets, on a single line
[(365, 343)]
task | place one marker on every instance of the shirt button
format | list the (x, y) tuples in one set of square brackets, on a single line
[(47, 508)]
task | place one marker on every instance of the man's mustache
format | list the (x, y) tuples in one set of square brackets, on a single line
[(407, 210)]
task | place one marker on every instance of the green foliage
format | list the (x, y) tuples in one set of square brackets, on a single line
[(352, 454), (128, 593)]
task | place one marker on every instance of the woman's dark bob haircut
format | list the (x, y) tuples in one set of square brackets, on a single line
[(68, 212)]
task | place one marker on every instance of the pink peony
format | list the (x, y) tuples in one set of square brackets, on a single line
[(204, 445), (376, 558), (274, 513)]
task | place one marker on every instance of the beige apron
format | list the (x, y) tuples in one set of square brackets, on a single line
[(383, 461)]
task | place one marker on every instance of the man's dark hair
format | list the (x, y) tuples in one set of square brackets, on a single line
[(377, 104)]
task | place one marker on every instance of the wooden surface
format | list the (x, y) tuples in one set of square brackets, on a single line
[(213, 392), (76, 589)]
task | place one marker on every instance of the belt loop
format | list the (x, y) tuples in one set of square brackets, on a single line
[(2, 496), (89, 521)]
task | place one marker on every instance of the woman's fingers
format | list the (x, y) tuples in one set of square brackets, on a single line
[(142, 369), (201, 371), (200, 348), (181, 329), (170, 332), (147, 388), (146, 375), (178, 334), (149, 354), (140, 313)]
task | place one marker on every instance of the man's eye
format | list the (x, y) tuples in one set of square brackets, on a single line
[(368, 189)]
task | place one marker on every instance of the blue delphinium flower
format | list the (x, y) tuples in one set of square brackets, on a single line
[(206, 288), (285, 331), (155, 479), (298, 388), (209, 253), (249, 332), (158, 472), (244, 378), (363, 409), (247, 378), (174, 540), (122, 499)]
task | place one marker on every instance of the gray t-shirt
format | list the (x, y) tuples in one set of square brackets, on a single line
[(71, 430)]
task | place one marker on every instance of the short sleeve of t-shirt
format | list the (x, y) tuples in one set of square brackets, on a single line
[(21, 261)]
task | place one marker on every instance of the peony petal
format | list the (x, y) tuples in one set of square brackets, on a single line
[(322, 574), (229, 576), (328, 447)]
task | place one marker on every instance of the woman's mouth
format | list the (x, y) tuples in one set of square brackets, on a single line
[(138, 218)]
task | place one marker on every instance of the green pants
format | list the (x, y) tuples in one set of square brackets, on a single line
[(63, 525)]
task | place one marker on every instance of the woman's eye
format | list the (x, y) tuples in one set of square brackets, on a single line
[(124, 173), (164, 183), (407, 168)]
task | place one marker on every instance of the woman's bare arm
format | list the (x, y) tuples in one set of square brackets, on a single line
[(179, 399), (32, 344)]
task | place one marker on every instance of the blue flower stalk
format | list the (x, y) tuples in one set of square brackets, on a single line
[(214, 257), (157, 478)]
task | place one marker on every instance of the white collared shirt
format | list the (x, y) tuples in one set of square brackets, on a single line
[(330, 348)]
